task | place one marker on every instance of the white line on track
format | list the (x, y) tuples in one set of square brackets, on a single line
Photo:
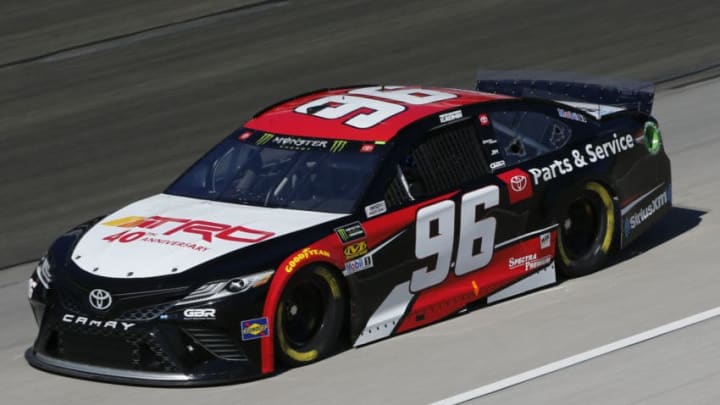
[(579, 358)]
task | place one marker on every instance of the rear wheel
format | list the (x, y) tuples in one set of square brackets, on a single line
[(587, 232), (309, 316)]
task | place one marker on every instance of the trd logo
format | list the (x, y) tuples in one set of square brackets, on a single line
[(206, 229)]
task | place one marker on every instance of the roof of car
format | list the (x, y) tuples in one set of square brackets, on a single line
[(369, 114)]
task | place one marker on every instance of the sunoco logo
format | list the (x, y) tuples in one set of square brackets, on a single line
[(255, 328)]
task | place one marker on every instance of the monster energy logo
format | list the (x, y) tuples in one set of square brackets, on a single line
[(287, 142), (350, 232), (337, 146), (265, 138)]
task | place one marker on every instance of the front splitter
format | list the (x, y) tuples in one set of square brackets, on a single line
[(129, 377)]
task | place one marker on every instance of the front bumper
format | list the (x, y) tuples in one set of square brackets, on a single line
[(114, 375), (132, 377), (153, 346)]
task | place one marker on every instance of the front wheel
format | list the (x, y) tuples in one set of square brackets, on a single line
[(309, 316), (587, 232)]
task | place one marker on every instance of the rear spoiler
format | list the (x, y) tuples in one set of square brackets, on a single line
[(595, 95)]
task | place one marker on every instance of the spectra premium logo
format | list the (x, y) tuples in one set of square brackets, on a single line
[(529, 262), (518, 183), (99, 299)]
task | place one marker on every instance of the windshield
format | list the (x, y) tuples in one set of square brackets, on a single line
[(256, 168)]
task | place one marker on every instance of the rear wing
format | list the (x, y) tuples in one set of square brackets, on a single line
[(595, 95)]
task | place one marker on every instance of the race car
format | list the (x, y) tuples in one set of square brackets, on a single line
[(344, 216)]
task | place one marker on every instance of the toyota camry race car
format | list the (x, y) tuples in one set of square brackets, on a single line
[(345, 216)]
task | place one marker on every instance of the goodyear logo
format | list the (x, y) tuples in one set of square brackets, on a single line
[(355, 250), (304, 255), (255, 328)]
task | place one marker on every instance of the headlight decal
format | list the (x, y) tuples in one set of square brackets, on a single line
[(224, 288), (43, 272)]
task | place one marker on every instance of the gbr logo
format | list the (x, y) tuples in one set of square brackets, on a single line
[(435, 234), (363, 104)]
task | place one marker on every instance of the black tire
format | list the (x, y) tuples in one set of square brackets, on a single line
[(586, 236), (309, 317)]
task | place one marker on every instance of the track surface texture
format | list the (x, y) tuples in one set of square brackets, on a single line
[(87, 125), (88, 130)]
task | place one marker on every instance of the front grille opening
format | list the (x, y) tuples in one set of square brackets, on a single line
[(217, 342), (107, 351), (146, 313), (70, 304), (146, 358), (109, 348)]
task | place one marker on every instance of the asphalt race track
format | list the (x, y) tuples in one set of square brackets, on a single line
[(101, 104)]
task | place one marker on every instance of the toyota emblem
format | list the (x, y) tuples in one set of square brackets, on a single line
[(518, 183), (100, 299)]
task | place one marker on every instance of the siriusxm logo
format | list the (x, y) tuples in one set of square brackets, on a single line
[(641, 215)]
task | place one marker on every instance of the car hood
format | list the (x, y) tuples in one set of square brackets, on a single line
[(167, 235)]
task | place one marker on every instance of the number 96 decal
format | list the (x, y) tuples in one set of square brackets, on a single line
[(435, 234), (365, 112)]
